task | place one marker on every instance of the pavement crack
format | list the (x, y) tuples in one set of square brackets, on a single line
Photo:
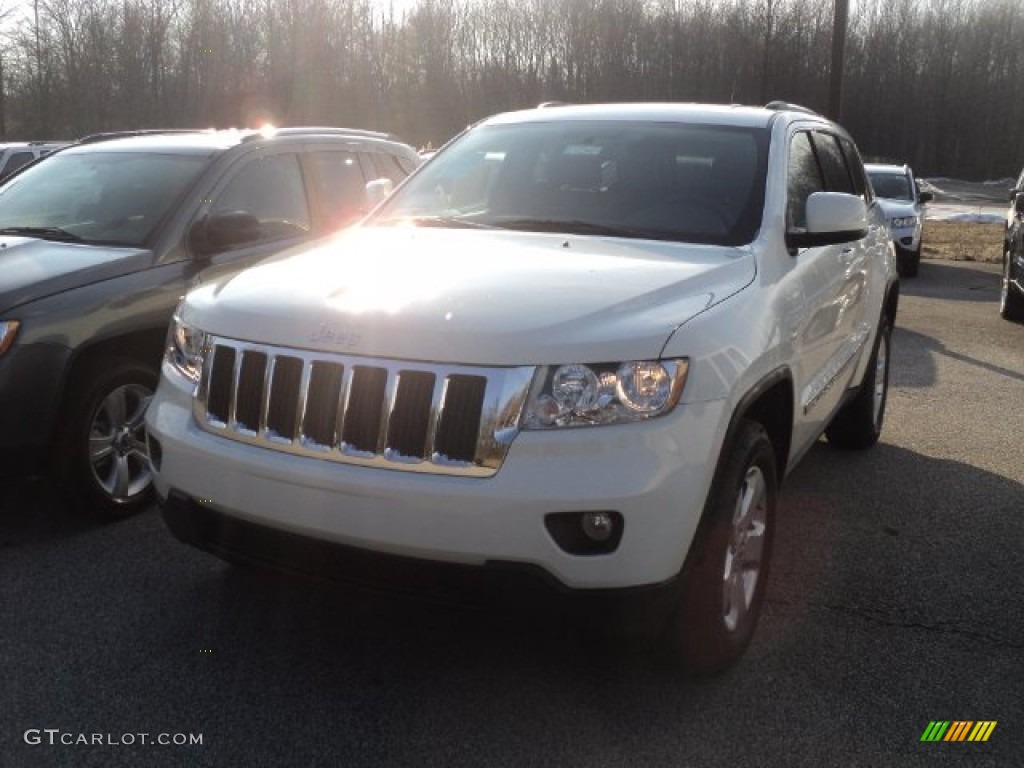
[(951, 627)]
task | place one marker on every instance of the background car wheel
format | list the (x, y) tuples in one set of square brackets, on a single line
[(105, 462), (1011, 302), (723, 590), (858, 424), (908, 262)]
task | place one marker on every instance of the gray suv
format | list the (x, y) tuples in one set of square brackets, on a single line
[(99, 241)]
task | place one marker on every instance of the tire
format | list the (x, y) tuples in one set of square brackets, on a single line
[(908, 262), (727, 571), (1011, 302), (858, 425), (104, 461)]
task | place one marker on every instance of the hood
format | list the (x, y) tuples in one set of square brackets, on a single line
[(32, 269), (898, 208), (474, 296)]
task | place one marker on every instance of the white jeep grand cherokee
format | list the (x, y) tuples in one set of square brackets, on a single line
[(580, 349)]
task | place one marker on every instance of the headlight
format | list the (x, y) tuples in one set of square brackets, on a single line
[(186, 348), (579, 395), (8, 330), (906, 221)]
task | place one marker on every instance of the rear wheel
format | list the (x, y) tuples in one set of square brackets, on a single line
[(1011, 301), (722, 594), (105, 461), (858, 424)]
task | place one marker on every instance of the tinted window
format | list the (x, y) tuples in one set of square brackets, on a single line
[(895, 186), (837, 177), (270, 188), (388, 167), (342, 186), (16, 161), (856, 167), (669, 181), (804, 179), (116, 197)]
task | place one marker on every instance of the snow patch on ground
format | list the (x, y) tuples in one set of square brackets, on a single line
[(977, 202)]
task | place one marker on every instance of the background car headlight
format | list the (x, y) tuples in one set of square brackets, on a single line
[(906, 221), (577, 395), (186, 349), (8, 330)]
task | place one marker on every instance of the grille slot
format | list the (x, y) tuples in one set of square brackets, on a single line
[(365, 409), (318, 423), (459, 427), (419, 417), (284, 396), (250, 390), (410, 416), (218, 402)]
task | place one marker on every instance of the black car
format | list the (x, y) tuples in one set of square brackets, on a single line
[(99, 241), (1011, 294)]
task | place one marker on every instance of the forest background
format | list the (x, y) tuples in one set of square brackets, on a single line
[(935, 83)]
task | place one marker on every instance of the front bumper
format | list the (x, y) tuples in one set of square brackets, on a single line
[(521, 589), (31, 379), (906, 239), (655, 474)]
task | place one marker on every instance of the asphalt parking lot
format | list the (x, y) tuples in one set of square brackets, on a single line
[(896, 599)]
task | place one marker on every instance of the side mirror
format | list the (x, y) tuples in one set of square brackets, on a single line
[(377, 191), (1018, 204), (832, 217), (221, 231), (925, 197), (1013, 194)]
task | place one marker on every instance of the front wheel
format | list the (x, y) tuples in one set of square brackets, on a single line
[(723, 591), (908, 262), (105, 462)]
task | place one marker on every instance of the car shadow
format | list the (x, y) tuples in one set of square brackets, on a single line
[(914, 360), (954, 281)]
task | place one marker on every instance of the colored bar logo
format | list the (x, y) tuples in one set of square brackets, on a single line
[(958, 730)]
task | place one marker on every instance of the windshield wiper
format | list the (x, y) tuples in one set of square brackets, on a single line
[(455, 222), (43, 233), (578, 227)]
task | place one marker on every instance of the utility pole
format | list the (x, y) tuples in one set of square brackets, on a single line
[(835, 90)]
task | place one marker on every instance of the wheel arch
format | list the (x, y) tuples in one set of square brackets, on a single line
[(145, 346)]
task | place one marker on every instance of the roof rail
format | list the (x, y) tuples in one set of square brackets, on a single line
[(106, 136), (316, 130), (779, 106)]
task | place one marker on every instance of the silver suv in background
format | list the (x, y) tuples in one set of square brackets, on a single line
[(901, 199), (17, 154)]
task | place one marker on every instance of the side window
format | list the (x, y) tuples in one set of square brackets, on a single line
[(269, 188), (16, 161), (804, 179), (388, 167), (856, 167), (342, 187), (837, 177)]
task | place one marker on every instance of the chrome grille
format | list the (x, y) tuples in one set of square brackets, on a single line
[(444, 419)]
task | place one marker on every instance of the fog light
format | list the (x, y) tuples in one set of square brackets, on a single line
[(586, 533), (597, 525)]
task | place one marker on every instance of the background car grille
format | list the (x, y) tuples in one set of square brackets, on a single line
[(399, 415)]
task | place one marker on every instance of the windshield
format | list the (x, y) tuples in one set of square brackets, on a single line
[(665, 181), (894, 186), (96, 197)]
